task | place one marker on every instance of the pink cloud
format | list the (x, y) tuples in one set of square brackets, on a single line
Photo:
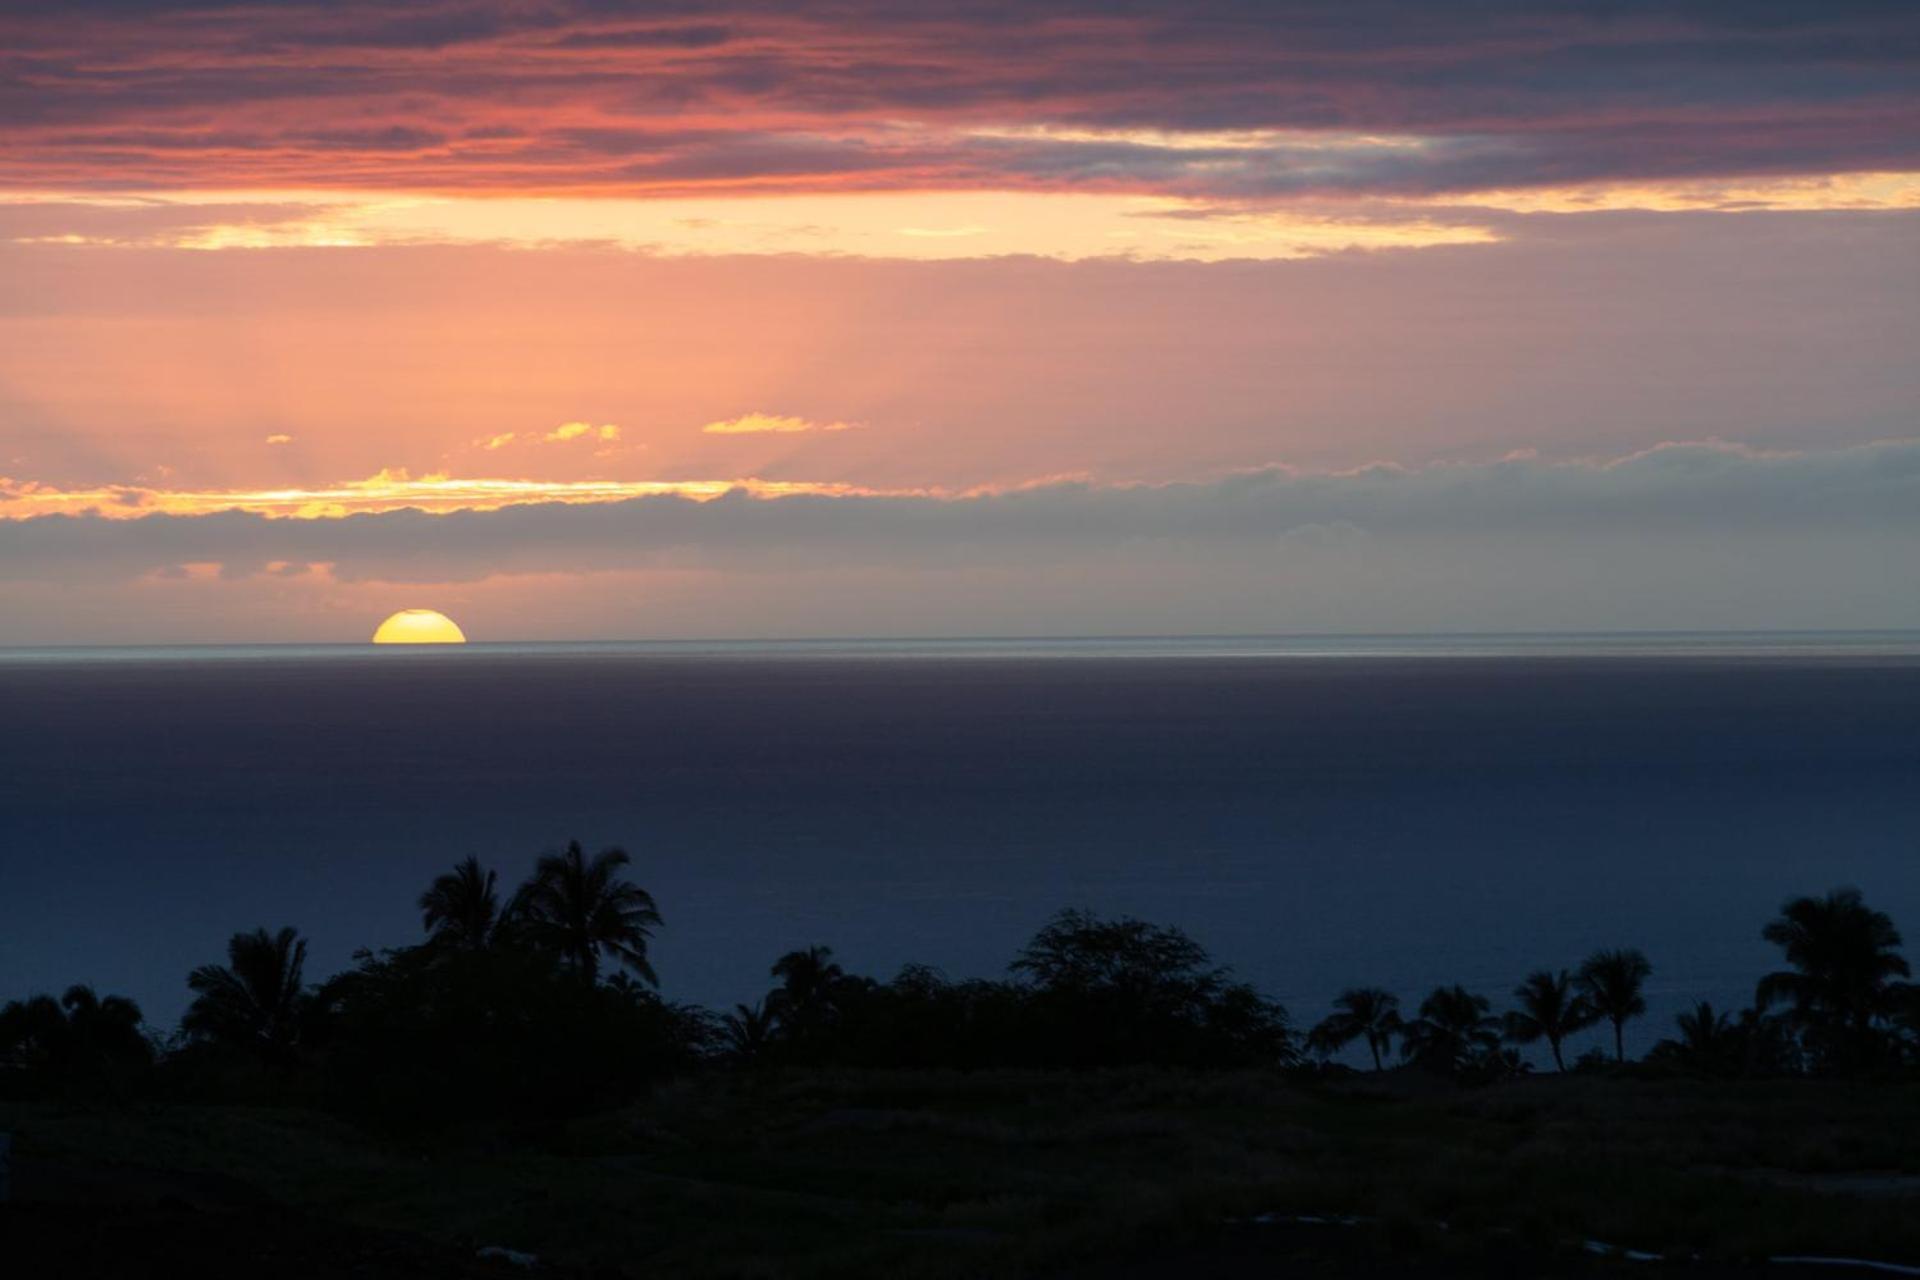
[(482, 95)]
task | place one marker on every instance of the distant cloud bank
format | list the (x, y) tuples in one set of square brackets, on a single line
[(1714, 491)]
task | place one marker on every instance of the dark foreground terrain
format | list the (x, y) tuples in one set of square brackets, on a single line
[(1128, 1173)]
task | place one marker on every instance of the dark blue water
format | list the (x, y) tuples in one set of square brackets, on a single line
[(1318, 814)]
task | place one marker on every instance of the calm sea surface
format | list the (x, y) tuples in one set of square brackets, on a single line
[(1319, 812)]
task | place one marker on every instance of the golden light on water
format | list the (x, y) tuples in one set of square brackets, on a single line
[(419, 626)]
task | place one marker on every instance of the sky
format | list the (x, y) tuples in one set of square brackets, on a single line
[(591, 319)]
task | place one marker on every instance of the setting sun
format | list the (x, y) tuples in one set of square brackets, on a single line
[(419, 626)]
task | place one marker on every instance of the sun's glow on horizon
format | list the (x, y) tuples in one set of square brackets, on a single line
[(419, 626)]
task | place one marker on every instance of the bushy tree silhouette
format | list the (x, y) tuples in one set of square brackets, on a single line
[(1844, 957), (1078, 951), (82, 1043)]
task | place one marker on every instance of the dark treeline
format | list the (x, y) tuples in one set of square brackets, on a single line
[(524, 1008)]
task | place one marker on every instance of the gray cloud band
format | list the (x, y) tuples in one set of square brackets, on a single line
[(1673, 491)]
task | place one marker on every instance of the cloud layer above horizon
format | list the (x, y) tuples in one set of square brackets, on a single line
[(1521, 534), (661, 316)]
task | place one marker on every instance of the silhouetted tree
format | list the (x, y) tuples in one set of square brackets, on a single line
[(1704, 1032), (1768, 1046), (1612, 982), (32, 1032), (1551, 1009), (1077, 950), (1709, 1043), (748, 1031), (500, 1039), (254, 1000), (1845, 957), (579, 908), (1904, 1019), (810, 987), (1106, 992), (80, 1044), (462, 907), (105, 1031), (1359, 1013), (1712, 1043), (1241, 1027), (1453, 1029)]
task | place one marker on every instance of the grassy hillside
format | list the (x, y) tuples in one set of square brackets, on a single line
[(1012, 1174)]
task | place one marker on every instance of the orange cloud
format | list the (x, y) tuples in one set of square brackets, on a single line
[(751, 424), (562, 434), (579, 430), (386, 490)]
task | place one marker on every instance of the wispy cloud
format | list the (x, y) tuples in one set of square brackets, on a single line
[(582, 431), (753, 424), (565, 433)]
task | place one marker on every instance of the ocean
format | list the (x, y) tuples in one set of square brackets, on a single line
[(1319, 812)]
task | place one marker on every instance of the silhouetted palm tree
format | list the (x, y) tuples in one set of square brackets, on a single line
[(254, 999), (1844, 956), (1359, 1013), (748, 1030), (580, 908), (462, 907), (1704, 1032), (1612, 983), (1551, 1009), (809, 981), (1453, 1028)]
